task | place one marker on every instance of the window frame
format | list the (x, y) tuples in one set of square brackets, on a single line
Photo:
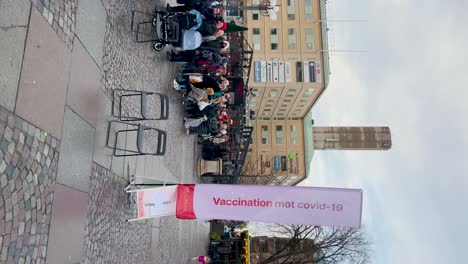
[(285, 103), (279, 134), (275, 91), (291, 9), (264, 132), (309, 92), (289, 94), (293, 131), (274, 45), (256, 35), (292, 45), (309, 39), (308, 7)]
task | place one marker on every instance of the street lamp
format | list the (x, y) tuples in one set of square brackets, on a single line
[(267, 8)]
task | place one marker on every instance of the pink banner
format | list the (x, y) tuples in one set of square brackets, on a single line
[(271, 204)]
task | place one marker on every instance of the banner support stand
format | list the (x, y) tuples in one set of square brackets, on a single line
[(132, 184)]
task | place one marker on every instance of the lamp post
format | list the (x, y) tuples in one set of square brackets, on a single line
[(267, 8)]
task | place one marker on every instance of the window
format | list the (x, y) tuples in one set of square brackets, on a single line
[(273, 93), (285, 103), (264, 130), (290, 93), (253, 102), (310, 39), (308, 10), (279, 135), (281, 112), (291, 10), (255, 92), (299, 71), (256, 38), (269, 103), (292, 40), (297, 112), (233, 11), (293, 134), (274, 38), (255, 13), (309, 92), (266, 112), (302, 103)]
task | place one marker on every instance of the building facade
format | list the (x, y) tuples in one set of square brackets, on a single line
[(289, 72)]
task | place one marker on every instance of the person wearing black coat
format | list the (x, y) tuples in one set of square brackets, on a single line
[(202, 55), (209, 27), (208, 82), (210, 9), (217, 44)]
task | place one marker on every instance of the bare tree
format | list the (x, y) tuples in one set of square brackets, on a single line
[(316, 244)]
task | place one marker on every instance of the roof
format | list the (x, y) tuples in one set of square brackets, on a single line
[(326, 59), (307, 121), (308, 142)]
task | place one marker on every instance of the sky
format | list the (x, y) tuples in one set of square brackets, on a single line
[(414, 79)]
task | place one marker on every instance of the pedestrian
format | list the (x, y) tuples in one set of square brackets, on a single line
[(201, 259)]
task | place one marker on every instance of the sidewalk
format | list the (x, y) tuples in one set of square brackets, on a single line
[(61, 198)]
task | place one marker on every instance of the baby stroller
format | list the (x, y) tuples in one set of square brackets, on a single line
[(177, 29)]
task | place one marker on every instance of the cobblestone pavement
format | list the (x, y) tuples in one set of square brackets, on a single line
[(109, 238), (29, 158), (131, 65), (28, 170), (61, 15), (181, 240)]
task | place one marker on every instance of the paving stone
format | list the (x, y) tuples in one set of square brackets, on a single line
[(16, 134), (25, 126), (8, 216), (4, 254), (18, 123), (14, 198), (11, 120), (11, 148), (4, 145), (3, 114), (46, 150), (21, 228), (8, 134), (16, 173), (9, 170), (37, 133), (29, 140), (35, 143), (38, 156), (40, 98), (2, 166), (42, 136), (76, 152), (12, 248)]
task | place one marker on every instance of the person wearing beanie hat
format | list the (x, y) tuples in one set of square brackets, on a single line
[(223, 26)]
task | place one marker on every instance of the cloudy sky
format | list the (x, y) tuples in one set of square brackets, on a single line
[(414, 79)]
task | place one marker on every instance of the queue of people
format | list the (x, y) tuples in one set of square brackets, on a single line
[(202, 80)]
